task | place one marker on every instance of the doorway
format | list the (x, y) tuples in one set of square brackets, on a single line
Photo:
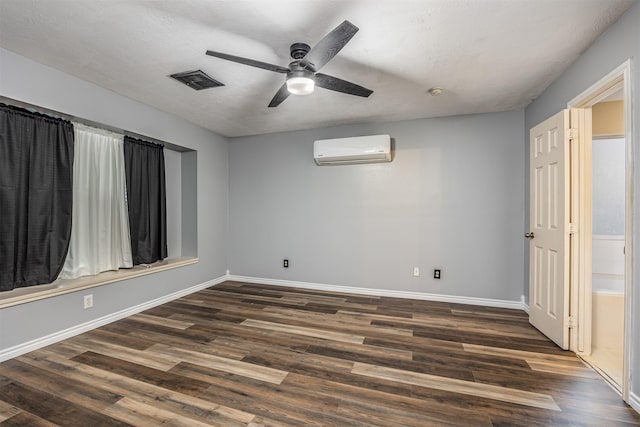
[(608, 239), (591, 307), (613, 87)]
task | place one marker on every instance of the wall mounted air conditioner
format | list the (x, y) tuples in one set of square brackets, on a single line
[(360, 149)]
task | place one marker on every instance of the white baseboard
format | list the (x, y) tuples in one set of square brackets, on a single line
[(634, 402), (382, 292), (525, 306), (17, 350)]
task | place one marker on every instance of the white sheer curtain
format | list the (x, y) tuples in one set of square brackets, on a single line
[(100, 238)]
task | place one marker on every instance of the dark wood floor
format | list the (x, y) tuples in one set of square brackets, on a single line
[(252, 355)]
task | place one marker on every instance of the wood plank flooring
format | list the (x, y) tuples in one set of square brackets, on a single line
[(240, 354)]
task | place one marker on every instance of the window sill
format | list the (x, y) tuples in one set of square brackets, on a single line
[(60, 287)]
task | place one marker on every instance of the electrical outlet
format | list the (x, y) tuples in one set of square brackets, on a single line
[(436, 273), (88, 301), (285, 263), (416, 271)]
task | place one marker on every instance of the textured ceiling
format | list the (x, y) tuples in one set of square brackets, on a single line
[(489, 55)]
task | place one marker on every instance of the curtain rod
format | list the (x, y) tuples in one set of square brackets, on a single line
[(58, 114)]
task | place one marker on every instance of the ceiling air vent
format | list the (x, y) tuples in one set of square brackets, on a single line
[(196, 79)]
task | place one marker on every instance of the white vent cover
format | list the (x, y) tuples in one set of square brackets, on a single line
[(360, 149)]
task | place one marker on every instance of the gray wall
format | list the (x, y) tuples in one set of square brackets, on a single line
[(615, 46), (28, 81), (452, 198)]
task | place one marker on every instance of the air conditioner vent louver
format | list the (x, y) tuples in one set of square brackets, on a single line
[(196, 79)]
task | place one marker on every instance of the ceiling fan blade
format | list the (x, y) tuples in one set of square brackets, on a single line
[(281, 95), (339, 85), (329, 46), (246, 61)]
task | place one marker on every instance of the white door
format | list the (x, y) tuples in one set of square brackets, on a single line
[(549, 228)]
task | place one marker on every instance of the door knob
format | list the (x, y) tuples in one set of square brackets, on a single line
[(529, 235)]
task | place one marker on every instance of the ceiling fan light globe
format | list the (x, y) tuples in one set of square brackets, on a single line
[(300, 85)]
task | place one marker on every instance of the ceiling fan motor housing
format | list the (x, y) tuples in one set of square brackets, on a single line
[(299, 50)]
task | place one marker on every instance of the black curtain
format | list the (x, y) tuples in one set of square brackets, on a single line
[(146, 197), (36, 182)]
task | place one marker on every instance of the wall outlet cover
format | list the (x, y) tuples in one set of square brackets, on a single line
[(88, 301)]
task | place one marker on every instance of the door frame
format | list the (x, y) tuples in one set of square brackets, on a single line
[(619, 78)]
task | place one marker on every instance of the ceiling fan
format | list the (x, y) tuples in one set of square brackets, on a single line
[(302, 73)]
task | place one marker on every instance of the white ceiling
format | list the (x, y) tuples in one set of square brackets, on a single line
[(489, 55)]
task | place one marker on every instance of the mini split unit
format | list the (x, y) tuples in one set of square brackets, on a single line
[(360, 149)]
